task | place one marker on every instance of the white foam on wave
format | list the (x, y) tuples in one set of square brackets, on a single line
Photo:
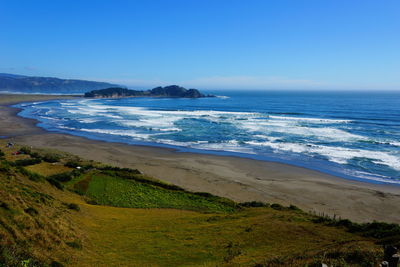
[(87, 120), (89, 111), (145, 111), (261, 125), (339, 155), (150, 122), (325, 133), (129, 133), (394, 143), (310, 120), (164, 120), (376, 177), (229, 146)]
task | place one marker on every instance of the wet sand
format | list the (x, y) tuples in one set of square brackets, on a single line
[(237, 178)]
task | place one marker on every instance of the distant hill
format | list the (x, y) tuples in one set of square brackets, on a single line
[(27, 84), (167, 91)]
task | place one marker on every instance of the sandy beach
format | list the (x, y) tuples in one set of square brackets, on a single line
[(237, 178)]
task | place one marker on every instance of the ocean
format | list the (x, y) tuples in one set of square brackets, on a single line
[(353, 135)]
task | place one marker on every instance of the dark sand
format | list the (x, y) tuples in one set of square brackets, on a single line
[(237, 178)]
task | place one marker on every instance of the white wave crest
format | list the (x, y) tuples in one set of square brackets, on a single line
[(119, 132), (335, 154), (311, 120)]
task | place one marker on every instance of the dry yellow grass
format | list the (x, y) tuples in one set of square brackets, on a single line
[(112, 236), (165, 237), (47, 169)]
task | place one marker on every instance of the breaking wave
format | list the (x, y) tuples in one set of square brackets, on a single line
[(348, 146)]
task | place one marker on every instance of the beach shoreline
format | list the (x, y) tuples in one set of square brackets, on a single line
[(240, 179)]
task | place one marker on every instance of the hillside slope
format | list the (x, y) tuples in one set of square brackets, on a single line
[(27, 84), (57, 209)]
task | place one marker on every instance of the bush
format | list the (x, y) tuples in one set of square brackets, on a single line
[(51, 157), (56, 264), (55, 183), (387, 233), (277, 206), (25, 150), (27, 162), (72, 164), (31, 175), (378, 230), (293, 207), (346, 223), (4, 205), (31, 211), (2, 154), (111, 168), (204, 194), (35, 155), (5, 166), (254, 204), (73, 206), (62, 177), (74, 244), (92, 202)]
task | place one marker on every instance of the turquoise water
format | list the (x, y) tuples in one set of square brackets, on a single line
[(351, 135)]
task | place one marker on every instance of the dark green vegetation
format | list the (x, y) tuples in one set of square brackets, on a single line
[(387, 233), (123, 188), (27, 84), (81, 213), (167, 91)]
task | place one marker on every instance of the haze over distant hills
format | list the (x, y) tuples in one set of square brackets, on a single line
[(28, 84)]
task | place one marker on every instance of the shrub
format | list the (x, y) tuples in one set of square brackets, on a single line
[(111, 168), (293, 207), (31, 211), (277, 206), (74, 244), (25, 150), (5, 166), (56, 264), (324, 220), (55, 183), (31, 175), (4, 205), (35, 155), (255, 204), (51, 157), (376, 229), (27, 162), (2, 154), (385, 232), (62, 177), (72, 164), (204, 194), (345, 223), (73, 206), (92, 202)]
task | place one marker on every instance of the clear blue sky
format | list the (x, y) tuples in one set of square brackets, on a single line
[(209, 44)]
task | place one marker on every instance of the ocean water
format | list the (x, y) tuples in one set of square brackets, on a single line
[(348, 134)]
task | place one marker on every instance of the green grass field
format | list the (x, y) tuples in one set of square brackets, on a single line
[(114, 191)]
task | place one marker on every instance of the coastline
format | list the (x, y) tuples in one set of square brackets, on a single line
[(237, 178)]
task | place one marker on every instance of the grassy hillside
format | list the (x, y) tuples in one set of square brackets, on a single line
[(57, 209), (121, 189)]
